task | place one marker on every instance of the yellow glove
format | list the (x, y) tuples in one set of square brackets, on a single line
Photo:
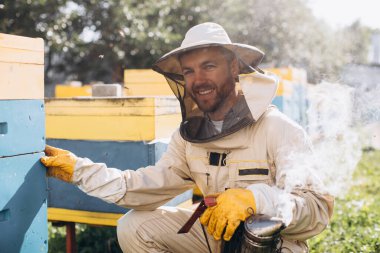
[(60, 163), (232, 207)]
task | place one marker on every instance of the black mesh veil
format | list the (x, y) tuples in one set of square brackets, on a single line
[(196, 125)]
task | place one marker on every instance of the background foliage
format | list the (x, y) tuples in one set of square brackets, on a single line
[(355, 225), (94, 40), (90, 239)]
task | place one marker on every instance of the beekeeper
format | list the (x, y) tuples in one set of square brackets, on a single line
[(231, 142)]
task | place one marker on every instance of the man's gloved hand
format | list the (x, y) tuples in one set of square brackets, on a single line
[(60, 163), (232, 207)]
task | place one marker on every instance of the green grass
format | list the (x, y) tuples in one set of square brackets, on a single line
[(90, 239), (355, 225)]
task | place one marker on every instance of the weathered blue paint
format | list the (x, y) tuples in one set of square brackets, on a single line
[(23, 208), (295, 106), (22, 127), (278, 101), (121, 155)]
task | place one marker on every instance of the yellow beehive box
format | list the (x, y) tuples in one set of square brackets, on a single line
[(145, 82), (68, 91), (116, 119), (285, 88), (288, 78), (21, 67), (291, 74)]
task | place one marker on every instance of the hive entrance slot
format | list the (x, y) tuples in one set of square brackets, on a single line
[(3, 127), (5, 215)]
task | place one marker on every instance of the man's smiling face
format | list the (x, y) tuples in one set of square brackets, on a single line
[(209, 78)]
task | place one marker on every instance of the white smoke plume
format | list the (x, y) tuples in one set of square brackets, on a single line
[(336, 145), (335, 134)]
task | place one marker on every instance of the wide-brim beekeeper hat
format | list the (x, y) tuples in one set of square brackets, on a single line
[(207, 35), (195, 126)]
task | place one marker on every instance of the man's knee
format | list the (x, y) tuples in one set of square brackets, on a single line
[(128, 224), (126, 231), (134, 230)]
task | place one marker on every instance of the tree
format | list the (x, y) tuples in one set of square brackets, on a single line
[(290, 35), (47, 19), (94, 40), (357, 37), (90, 40)]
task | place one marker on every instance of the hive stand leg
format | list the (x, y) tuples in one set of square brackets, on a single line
[(71, 244)]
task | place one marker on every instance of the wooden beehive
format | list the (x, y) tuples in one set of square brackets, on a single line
[(23, 195)]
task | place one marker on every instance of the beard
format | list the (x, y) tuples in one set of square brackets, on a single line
[(221, 93), (212, 104)]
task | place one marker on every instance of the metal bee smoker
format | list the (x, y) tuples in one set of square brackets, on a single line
[(258, 234)]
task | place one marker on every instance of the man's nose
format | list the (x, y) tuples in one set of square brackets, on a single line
[(199, 77)]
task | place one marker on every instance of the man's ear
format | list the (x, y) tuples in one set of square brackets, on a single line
[(235, 67)]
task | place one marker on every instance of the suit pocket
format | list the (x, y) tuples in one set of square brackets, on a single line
[(250, 172)]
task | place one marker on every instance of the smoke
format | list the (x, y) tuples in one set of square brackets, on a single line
[(335, 134), (334, 130)]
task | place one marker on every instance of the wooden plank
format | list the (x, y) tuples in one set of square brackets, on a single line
[(22, 127), (143, 76), (67, 91), (100, 111), (21, 42), (166, 125), (131, 119), (133, 128), (114, 106), (21, 81), (21, 56), (92, 218), (145, 82), (138, 101), (97, 109), (148, 89), (102, 102), (121, 128)]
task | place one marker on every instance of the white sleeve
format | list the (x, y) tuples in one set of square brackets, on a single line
[(272, 201), (97, 180), (143, 189)]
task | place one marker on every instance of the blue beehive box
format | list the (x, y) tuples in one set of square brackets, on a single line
[(293, 104), (23, 198), (22, 128), (23, 216), (121, 155), (23, 195)]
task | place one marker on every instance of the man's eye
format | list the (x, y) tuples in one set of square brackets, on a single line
[(186, 72), (210, 66)]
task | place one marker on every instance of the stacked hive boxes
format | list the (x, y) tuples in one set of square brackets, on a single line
[(23, 208), (115, 131), (291, 97), (145, 82)]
